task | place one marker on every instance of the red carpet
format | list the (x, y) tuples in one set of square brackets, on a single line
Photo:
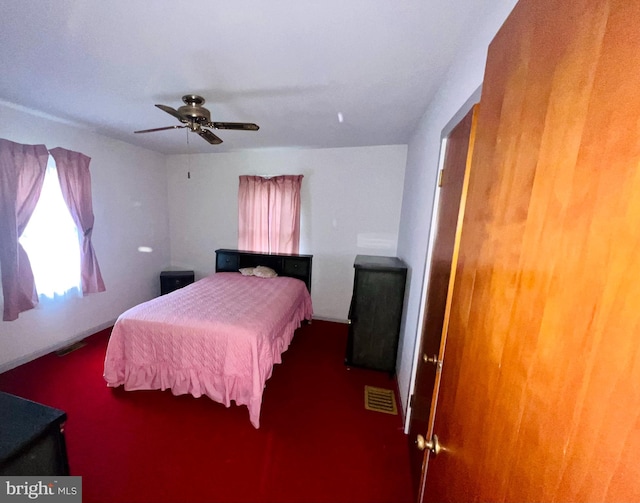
[(316, 442)]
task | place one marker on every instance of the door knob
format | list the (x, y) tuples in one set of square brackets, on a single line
[(421, 443), (432, 445), (432, 359)]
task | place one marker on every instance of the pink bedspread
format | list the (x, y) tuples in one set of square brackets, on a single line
[(219, 337)]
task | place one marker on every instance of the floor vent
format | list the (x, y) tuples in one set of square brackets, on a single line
[(66, 350), (380, 400)]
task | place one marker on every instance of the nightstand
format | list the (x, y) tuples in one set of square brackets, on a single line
[(172, 280)]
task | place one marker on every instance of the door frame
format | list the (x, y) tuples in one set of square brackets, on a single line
[(433, 225)]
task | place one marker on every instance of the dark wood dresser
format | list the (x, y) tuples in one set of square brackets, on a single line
[(376, 312), (31, 438)]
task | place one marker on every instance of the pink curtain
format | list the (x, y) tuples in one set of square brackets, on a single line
[(253, 214), (269, 213), (284, 213), (22, 169), (75, 182)]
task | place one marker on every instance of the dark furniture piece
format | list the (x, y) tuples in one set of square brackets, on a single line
[(291, 265), (31, 438), (376, 312), (172, 280)]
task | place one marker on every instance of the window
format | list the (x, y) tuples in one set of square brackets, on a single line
[(23, 169), (51, 240), (269, 213)]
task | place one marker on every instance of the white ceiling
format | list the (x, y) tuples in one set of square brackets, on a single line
[(291, 66)]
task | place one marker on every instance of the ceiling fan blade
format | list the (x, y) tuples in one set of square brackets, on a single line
[(172, 111), (240, 126), (209, 136), (159, 129)]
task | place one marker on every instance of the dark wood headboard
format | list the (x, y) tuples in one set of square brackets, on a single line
[(294, 266)]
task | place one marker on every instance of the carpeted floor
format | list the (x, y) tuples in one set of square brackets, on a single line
[(316, 442)]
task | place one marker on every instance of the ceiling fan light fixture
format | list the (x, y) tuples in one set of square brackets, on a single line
[(194, 112), (196, 117)]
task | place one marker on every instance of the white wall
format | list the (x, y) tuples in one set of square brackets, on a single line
[(462, 80), (129, 191), (351, 201)]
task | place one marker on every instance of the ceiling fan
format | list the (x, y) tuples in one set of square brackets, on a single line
[(197, 118)]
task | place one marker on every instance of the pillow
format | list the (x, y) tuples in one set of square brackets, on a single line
[(247, 271), (264, 272)]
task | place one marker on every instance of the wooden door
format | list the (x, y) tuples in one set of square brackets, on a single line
[(453, 180), (540, 392)]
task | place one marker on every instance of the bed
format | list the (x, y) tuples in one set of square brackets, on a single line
[(219, 337)]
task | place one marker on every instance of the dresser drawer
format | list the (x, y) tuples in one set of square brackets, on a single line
[(295, 266), (173, 280), (227, 262)]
